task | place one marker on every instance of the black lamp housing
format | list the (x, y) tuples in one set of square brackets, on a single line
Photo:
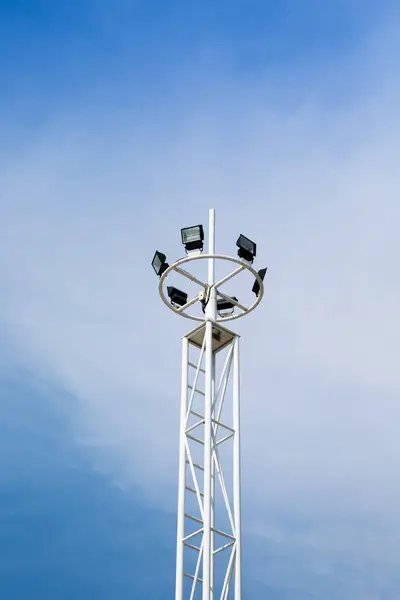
[(256, 286), (193, 238), (177, 297), (224, 304), (247, 248), (159, 263)]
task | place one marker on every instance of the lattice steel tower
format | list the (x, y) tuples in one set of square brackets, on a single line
[(208, 559)]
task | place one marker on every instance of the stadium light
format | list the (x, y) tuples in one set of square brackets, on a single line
[(177, 297), (223, 304), (159, 263), (193, 238), (256, 286), (247, 248)]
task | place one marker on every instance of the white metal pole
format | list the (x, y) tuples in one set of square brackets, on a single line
[(211, 313), (236, 469), (211, 310), (182, 474), (212, 537)]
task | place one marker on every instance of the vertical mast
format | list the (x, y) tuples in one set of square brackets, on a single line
[(211, 314), (236, 470), (182, 474)]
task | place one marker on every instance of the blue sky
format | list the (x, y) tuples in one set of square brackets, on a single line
[(54, 56), (122, 122)]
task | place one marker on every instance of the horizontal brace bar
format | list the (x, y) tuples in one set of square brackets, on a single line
[(196, 367), (228, 277), (223, 425), (224, 439), (232, 301), (196, 390), (194, 426), (191, 437), (191, 277), (196, 414), (191, 546), (188, 304), (196, 466), (192, 577), (225, 547), (227, 535), (215, 421), (196, 519), (190, 489), (193, 534)]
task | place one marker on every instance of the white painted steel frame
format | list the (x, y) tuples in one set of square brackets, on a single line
[(208, 572), (199, 479)]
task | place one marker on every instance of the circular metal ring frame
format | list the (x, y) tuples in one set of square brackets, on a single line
[(186, 259)]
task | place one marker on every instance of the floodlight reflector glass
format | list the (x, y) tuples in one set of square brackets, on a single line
[(177, 297), (193, 237), (158, 263), (247, 248), (256, 286), (224, 304)]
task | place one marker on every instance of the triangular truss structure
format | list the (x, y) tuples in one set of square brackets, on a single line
[(208, 544)]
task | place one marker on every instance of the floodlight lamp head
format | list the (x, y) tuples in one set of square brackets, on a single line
[(256, 286), (193, 238), (247, 249), (159, 263), (224, 305), (177, 297)]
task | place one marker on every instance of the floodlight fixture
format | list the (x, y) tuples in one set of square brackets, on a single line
[(223, 304), (177, 297), (193, 238), (159, 263), (256, 286), (247, 248)]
